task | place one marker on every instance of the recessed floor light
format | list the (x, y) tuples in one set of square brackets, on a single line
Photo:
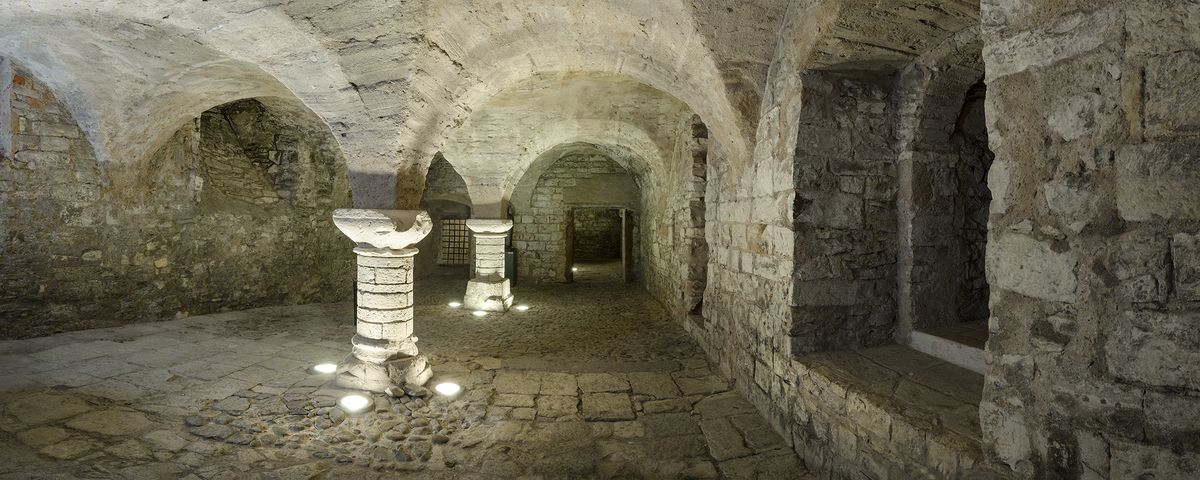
[(574, 269), (454, 304), (522, 307), (448, 389), (354, 403), (479, 313), (325, 367)]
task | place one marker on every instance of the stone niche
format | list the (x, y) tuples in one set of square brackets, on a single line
[(220, 217)]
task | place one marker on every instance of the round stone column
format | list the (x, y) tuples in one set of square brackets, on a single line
[(489, 290), (384, 352)]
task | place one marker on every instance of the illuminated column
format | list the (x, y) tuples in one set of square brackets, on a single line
[(384, 350), (489, 290)]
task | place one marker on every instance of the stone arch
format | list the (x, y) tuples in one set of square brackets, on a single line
[(541, 217), (628, 146), (173, 65), (675, 62), (445, 197), (548, 110), (171, 240)]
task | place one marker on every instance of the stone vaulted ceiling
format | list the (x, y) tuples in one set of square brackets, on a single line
[(394, 79)]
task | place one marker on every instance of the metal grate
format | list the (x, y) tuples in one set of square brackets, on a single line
[(456, 242)]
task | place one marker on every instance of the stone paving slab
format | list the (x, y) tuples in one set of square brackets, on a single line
[(230, 396)]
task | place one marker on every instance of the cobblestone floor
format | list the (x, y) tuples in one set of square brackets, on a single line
[(591, 382)]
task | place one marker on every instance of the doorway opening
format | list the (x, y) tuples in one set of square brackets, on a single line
[(600, 243)]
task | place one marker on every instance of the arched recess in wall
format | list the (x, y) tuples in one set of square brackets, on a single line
[(447, 248), (219, 217), (570, 177), (170, 65), (943, 202), (846, 292)]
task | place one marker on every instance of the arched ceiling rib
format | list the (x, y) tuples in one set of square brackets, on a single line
[(880, 35), (133, 72), (628, 158), (495, 146)]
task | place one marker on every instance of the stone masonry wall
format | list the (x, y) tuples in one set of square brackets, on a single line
[(221, 218), (845, 215), (1094, 356), (749, 227), (754, 236), (597, 234), (675, 248), (539, 234)]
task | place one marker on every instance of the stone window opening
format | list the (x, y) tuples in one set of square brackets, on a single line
[(951, 201), (455, 247)]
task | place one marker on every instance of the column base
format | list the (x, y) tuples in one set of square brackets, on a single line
[(488, 295), (355, 373)]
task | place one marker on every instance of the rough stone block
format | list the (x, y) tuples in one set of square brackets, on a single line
[(607, 407), (657, 385), (1158, 181), (384, 301), (1170, 84), (602, 382), (384, 316), (1185, 255), (1032, 268), (393, 330), (830, 209), (556, 406), (1157, 348)]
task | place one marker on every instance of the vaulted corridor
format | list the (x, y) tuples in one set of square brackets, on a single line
[(828, 239)]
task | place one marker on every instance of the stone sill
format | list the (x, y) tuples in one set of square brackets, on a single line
[(905, 408)]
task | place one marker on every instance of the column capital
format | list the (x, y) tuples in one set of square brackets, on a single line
[(489, 225), (383, 229)]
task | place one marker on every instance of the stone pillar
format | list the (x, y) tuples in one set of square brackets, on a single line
[(488, 290), (384, 350)]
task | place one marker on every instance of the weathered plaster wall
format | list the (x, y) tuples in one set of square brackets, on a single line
[(1094, 357), (223, 217), (845, 247), (539, 230)]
